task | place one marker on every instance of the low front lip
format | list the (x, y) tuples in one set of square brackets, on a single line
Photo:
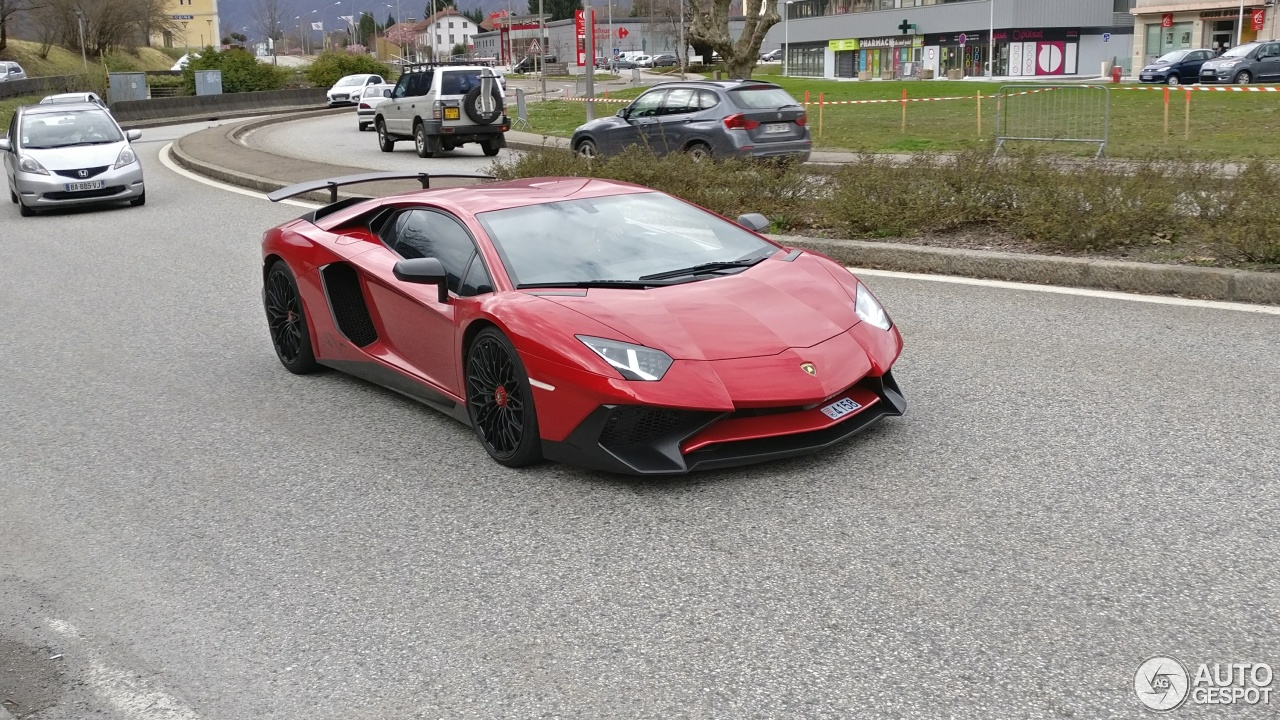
[(33, 187)]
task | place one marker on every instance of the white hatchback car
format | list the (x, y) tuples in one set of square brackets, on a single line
[(59, 155), (348, 90), (374, 95)]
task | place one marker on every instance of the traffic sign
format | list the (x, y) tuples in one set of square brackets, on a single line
[(1106, 37), (963, 39), (616, 51), (535, 48)]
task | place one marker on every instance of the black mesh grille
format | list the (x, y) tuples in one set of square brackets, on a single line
[(634, 425), (350, 313), (88, 172)]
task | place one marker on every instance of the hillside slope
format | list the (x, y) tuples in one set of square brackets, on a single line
[(62, 61)]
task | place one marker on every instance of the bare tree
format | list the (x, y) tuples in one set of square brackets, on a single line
[(47, 25), (269, 17), (9, 10), (710, 25)]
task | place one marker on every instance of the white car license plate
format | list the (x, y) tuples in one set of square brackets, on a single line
[(840, 408), (94, 185), (776, 128)]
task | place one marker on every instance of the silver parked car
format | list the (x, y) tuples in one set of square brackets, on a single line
[(61, 155), (11, 71), (734, 118), (374, 95), (74, 97)]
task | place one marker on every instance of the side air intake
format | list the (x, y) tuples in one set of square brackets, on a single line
[(346, 300)]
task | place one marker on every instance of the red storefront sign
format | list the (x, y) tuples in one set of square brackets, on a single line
[(580, 31), (1259, 19), (1166, 20)]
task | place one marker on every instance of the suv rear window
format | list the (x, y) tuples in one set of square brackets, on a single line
[(459, 82), (754, 98)]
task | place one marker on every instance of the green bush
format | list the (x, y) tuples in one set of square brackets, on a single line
[(332, 66), (1243, 224), (241, 71)]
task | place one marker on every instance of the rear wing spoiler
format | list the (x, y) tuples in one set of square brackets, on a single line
[(332, 184)]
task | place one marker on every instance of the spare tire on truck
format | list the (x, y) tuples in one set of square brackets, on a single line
[(482, 110)]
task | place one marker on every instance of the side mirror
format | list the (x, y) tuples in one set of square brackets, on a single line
[(386, 93), (754, 221), (624, 113), (423, 271), (5, 145), (133, 135)]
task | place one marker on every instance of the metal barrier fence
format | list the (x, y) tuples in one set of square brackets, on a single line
[(1053, 113)]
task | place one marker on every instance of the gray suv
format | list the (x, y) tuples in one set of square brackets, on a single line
[(1244, 64), (442, 106), (737, 118)]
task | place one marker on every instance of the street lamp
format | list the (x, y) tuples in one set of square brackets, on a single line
[(786, 38)]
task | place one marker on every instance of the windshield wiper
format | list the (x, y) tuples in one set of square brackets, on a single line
[(628, 284), (704, 268), (91, 142)]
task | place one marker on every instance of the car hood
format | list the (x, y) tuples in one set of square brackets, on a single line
[(604, 123), (74, 158), (761, 311), (1219, 61)]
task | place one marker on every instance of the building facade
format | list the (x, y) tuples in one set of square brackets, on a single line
[(902, 38), (1163, 26), (439, 33), (624, 34), (195, 25)]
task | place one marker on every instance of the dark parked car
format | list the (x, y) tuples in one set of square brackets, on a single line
[(663, 60), (529, 63), (737, 118), (1175, 68), (1244, 64), (772, 56)]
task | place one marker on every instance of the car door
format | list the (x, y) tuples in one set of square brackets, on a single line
[(1269, 62), (641, 116), (1189, 69), (409, 93), (671, 131), (420, 331)]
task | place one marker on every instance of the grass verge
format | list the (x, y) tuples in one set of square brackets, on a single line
[(1154, 210), (61, 61)]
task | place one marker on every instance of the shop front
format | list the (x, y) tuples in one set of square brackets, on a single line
[(1037, 52), (889, 57), (1212, 28), (961, 54), (845, 54)]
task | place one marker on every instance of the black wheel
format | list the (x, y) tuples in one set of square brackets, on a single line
[(499, 401), (699, 151), (1173, 80), (481, 110), (421, 142), (13, 197), (588, 149), (140, 200), (362, 126), (490, 147), (25, 211), (385, 143), (287, 321), (1244, 77)]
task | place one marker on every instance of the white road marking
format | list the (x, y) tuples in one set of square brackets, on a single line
[(1082, 292), (544, 386), (122, 689), (169, 163)]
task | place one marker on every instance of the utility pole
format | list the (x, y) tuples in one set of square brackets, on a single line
[(991, 44), (542, 46), (683, 46), (84, 54), (588, 19)]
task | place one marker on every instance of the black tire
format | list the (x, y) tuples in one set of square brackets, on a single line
[(699, 151), (140, 200), (13, 197), (287, 321), (1173, 80), (362, 126), (500, 402), (1244, 77), (25, 211), (491, 147), (421, 142), (385, 143), (588, 149), (471, 106)]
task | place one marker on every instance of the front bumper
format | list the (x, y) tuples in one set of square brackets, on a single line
[(1153, 77), (337, 99), (1219, 76), (46, 191)]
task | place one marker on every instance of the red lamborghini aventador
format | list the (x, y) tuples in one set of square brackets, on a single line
[(586, 321)]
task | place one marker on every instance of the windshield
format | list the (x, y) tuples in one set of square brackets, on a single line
[(351, 80), (1239, 51), (86, 127), (618, 238), (1172, 57), (761, 97)]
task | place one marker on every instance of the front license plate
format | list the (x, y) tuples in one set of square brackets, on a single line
[(451, 113), (1147, 77), (77, 187), (776, 128), (840, 408)]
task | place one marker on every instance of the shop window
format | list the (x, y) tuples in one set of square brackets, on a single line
[(806, 61)]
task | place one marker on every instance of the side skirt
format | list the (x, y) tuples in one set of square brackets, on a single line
[(383, 376)]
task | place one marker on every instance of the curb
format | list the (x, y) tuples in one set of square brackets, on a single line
[(1244, 286), (1132, 277)]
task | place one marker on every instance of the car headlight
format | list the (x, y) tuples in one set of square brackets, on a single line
[(633, 362), (869, 309), (29, 165), (1163, 69), (127, 157), (1228, 63)]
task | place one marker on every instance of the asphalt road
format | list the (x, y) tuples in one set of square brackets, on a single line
[(1080, 483), (335, 139)]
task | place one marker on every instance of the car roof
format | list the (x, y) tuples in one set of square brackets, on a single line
[(722, 84), (59, 108), (68, 95)]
